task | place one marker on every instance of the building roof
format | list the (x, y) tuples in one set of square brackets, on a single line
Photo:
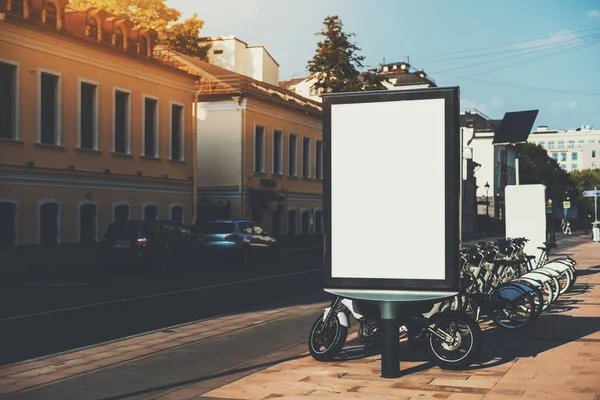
[(218, 82), (481, 122), (105, 46), (410, 79), (289, 84)]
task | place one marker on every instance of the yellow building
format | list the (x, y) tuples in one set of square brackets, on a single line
[(92, 127), (259, 149)]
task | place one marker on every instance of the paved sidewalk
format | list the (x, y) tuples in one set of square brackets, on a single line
[(557, 357)]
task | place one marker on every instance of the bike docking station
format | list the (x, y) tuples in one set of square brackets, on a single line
[(373, 148)]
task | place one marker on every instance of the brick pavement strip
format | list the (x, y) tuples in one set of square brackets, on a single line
[(567, 366), (45, 370)]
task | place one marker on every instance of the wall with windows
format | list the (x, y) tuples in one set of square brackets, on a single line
[(88, 131), (574, 150)]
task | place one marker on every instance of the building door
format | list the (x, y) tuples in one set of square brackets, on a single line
[(122, 212), (88, 223), (305, 222), (8, 224), (49, 228)]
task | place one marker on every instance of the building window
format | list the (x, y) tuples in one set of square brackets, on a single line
[(563, 156), (119, 38), (278, 153), (218, 52), (593, 153), (177, 213), (88, 115), (8, 101), (555, 156), (49, 109), (542, 144), (121, 122), (593, 165), (121, 212), (561, 144), (16, 7), (259, 149), (150, 212), (150, 127), (551, 144), (177, 137), (574, 156), (144, 46), (318, 222), (49, 222), (92, 28), (571, 144), (8, 223), (305, 222), (573, 167), (319, 160), (563, 166), (292, 222), (580, 143), (306, 157), (293, 155), (51, 14), (88, 223)]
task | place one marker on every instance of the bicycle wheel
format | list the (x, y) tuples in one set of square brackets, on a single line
[(514, 307)]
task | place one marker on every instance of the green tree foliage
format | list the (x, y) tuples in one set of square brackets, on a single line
[(536, 167), (180, 36), (336, 61), (586, 179)]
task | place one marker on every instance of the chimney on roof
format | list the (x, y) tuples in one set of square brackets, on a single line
[(542, 128)]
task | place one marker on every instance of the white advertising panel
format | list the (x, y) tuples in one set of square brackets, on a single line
[(392, 190), (526, 215)]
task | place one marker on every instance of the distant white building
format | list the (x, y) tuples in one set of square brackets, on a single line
[(235, 55), (398, 77), (574, 149), (496, 162)]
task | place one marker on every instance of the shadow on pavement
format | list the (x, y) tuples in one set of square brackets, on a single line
[(177, 385)]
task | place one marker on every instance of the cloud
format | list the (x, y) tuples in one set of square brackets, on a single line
[(594, 14), (560, 37), (564, 105), (485, 107)]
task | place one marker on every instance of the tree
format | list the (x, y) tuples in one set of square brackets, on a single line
[(536, 167), (155, 14), (586, 179), (336, 62)]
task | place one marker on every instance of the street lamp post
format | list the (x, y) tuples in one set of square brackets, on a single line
[(487, 199)]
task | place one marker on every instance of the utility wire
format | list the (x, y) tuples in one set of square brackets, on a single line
[(438, 56), (594, 39)]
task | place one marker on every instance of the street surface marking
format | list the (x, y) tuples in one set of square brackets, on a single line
[(154, 295)]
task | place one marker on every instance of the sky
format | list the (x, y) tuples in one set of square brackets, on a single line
[(506, 56)]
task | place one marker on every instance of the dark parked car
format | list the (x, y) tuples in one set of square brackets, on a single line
[(238, 238), (152, 243)]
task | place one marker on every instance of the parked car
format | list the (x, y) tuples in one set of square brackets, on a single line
[(152, 243), (238, 238)]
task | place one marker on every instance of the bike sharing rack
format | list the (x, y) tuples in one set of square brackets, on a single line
[(392, 159), (526, 215)]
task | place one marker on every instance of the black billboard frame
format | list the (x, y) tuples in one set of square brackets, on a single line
[(452, 191)]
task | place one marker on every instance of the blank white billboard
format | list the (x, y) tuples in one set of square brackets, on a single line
[(526, 215)]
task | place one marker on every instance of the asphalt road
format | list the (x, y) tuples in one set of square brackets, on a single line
[(46, 317)]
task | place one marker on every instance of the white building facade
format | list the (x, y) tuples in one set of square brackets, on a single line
[(574, 150), (235, 55)]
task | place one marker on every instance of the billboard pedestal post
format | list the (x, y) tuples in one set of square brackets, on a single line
[(390, 326)]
